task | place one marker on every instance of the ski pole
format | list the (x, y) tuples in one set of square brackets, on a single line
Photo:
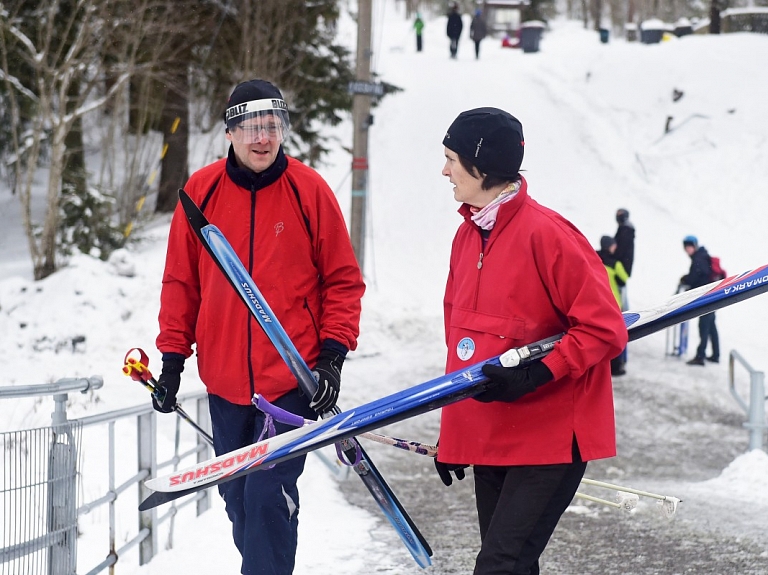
[(668, 503), (627, 503), (289, 418), (627, 497), (137, 370)]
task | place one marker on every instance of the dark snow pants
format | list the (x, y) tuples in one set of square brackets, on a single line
[(264, 505), (454, 47), (707, 333), (519, 508)]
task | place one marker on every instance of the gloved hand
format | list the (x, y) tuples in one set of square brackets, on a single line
[(513, 383), (168, 383), (444, 471), (327, 372)]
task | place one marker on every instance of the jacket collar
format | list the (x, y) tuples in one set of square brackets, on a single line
[(507, 211), (252, 181)]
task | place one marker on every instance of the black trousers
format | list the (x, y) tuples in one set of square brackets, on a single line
[(518, 508), (454, 47), (708, 333)]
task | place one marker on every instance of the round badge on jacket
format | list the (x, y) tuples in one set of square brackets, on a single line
[(465, 349)]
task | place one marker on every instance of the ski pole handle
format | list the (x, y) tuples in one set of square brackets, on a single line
[(137, 370)]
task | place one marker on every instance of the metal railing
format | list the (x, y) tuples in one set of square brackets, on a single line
[(756, 407), (39, 509)]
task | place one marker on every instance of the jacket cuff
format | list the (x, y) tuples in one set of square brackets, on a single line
[(556, 364), (334, 346), (171, 356)]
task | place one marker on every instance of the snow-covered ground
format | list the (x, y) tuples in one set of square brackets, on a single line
[(594, 117)]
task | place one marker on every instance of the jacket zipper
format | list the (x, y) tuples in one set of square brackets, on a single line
[(479, 270), (251, 237), (312, 318)]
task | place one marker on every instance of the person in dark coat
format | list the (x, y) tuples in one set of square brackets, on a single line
[(699, 275), (625, 240), (477, 31), (454, 28)]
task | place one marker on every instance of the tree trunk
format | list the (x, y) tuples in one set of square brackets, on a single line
[(174, 124), (73, 175), (47, 265), (714, 17)]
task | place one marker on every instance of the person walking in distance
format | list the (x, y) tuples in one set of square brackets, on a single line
[(700, 274), (477, 31), (520, 272), (418, 25), (617, 278), (625, 248), (286, 226), (454, 28)]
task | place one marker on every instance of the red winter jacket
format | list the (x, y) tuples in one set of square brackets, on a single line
[(306, 271), (537, 277)]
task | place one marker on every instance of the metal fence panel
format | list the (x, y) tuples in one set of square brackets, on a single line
[(38, 500)]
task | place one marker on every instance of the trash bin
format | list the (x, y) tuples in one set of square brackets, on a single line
[(630, 32), (604, 35), (651, 31), (683, 27), (530, 34)]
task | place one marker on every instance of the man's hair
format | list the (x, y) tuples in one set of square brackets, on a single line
[(488, 181)]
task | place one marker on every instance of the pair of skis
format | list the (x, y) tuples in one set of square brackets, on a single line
[(407, 403)]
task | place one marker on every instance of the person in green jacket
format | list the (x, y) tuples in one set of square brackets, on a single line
[(418, 25), (617, 277)]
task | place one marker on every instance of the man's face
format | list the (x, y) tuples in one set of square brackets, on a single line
[(689, 250), (467, 188), (256, 142)]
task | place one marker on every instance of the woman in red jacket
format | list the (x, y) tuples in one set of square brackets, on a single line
[(520, 272), (283, 221)]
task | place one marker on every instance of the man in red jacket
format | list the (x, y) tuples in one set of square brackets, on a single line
[(283, 221), (520, 272)]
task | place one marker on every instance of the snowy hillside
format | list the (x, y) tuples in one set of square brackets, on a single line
[(594, 118)]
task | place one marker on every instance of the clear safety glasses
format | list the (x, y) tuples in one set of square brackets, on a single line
[(255, 131), (258, 120)]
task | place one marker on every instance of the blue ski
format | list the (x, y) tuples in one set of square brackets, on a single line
[(435, 393), (229, 263)]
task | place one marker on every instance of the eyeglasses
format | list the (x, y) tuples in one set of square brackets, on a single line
[(254, 133)]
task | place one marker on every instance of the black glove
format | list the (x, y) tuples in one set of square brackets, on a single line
[(513, 383), (327, 372), (164, 399), (444, 470)]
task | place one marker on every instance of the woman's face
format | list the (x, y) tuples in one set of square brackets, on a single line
[(466, 187)]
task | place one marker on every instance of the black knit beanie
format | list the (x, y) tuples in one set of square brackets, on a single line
[(489, 138), (606, 242), (246, 92)]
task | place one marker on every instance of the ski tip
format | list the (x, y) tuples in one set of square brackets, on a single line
[(192, 211), (159, 498), (154, 500)]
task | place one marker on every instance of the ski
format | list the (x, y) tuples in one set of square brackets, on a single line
[(227, 260), (429, 395), (436, 393)]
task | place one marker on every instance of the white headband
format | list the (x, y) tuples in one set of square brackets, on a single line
[(255, 106)]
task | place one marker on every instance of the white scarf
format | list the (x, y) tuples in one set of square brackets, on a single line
[(486, 217)]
